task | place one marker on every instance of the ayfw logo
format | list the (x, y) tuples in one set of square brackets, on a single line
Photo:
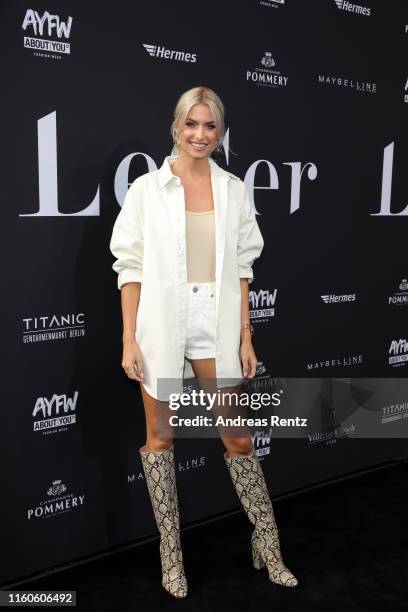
[(47, 25), (262, 304), (398, 352), (57, 411), (262, 442)]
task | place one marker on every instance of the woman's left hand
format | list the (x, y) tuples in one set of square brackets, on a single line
[(248, 358)]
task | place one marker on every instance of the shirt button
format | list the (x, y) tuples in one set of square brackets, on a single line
[(195, 289)]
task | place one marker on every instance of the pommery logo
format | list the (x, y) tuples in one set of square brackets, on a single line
[(400, 297), (47, 25), (57, 488), (60, 503), (265, 75)]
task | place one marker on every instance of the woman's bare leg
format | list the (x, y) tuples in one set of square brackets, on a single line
[(204, 369), (158, 436)]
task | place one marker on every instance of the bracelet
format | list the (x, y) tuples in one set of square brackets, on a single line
[(248, 325)]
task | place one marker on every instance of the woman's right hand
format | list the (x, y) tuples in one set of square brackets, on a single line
[(132, 357)]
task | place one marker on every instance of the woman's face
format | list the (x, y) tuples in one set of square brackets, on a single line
[(198, 134)]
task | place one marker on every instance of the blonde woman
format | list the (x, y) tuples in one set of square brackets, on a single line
[(185, 242)]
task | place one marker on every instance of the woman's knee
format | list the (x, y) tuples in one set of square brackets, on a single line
[(159, 433), (238, 446), (158, 444)]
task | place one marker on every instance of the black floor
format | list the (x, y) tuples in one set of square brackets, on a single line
[(346, 543)]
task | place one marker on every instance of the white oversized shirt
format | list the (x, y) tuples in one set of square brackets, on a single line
[(149, 244)]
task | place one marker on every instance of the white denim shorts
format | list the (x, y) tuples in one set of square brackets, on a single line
[(200, 340)]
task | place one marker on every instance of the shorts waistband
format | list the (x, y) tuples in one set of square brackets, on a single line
[(202, 288)]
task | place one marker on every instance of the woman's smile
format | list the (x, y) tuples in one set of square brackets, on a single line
[(200, 146)]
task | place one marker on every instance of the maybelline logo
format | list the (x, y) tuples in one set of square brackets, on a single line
[(47, 25), (171, 54), (53, 327), (61, 504), (262, 304), (190, 464), (363, 86), (332, 298), (398, 352), (55, 412), (344, 5), (181, 466), (349, 360), (267, 75), (394, 412), (262, 442), (400, 297)]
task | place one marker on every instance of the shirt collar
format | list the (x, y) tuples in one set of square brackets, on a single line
[(166, 174)]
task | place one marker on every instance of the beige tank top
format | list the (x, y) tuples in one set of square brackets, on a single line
[(200, 245)]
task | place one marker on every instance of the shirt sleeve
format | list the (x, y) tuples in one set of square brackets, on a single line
[(126, 243), (250, 242)]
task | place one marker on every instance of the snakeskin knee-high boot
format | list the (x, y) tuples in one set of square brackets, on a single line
[(161, 482), (249, 482)]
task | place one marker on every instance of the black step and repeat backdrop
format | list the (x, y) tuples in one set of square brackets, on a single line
[(316, 95)]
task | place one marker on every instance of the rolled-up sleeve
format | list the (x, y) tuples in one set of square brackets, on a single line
[(126, 242), (250, 242)]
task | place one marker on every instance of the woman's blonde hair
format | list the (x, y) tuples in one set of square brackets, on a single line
[(199, 95)]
